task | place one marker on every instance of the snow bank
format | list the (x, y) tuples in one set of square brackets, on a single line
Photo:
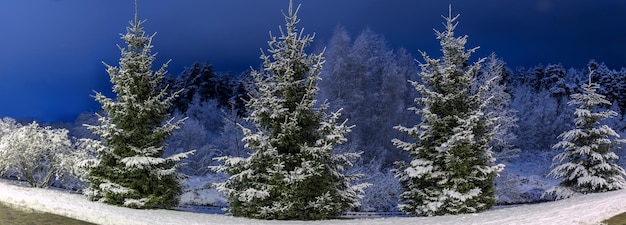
[(588, 209)]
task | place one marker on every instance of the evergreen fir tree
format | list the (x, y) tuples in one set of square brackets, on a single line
[(588, 164), (292, 172), (129, 169), (452, 167)]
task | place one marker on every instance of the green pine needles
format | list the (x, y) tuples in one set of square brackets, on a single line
[(452, 167), (292, 172), (129, 169)]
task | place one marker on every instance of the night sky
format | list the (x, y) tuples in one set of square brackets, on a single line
[(51, 51)]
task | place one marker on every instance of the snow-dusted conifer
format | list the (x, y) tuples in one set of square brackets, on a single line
[(292, 172), (129, 169), (498, 109), (452, 167), (588, 163)]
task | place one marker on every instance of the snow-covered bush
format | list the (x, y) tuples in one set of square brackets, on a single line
[(8, 125), (383, 194), (38, 155)]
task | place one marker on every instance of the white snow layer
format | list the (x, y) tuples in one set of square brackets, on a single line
[(587, 209)]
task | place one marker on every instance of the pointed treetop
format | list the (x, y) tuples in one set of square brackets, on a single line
[(291, 19), (136, 13), (451, 22), (291, 12)]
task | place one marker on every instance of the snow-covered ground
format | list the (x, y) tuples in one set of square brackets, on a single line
[(524, 179), (588, 209)]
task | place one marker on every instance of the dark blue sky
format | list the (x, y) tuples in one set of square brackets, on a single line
[(51, 51)]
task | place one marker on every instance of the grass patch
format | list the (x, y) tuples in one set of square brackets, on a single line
[(616, 220), (13, 216)]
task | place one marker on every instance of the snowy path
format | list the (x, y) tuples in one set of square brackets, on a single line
[(589, 209)]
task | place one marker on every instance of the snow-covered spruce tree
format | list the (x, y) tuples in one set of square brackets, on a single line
[(292, 172), (452, 167), (129, 169), (588, 164)]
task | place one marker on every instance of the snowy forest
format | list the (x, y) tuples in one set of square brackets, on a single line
[(328, 126)]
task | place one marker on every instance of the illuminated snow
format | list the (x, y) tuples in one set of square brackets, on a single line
[(587, 209)]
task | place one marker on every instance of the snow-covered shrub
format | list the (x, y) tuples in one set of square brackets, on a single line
[(382, 195), (7, 126), (38, 155)]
